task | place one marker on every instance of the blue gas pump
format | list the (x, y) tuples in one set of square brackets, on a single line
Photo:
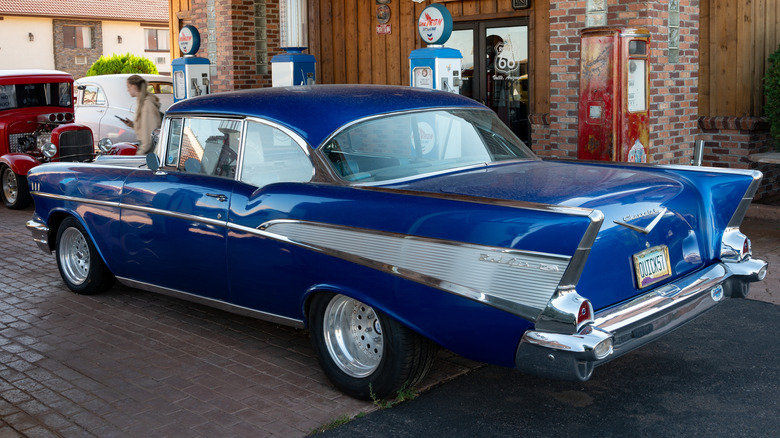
[(435, 66), (191, 75), (293, 68)]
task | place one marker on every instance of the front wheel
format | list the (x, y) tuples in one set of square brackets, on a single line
[(80, 265), (363, 352), (13, 189)]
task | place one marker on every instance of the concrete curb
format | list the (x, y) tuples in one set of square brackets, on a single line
[(764, 212)]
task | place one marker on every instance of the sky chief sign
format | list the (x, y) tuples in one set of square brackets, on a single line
[(435, 24)]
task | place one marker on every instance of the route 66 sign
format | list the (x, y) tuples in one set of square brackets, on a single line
[(521, 4)]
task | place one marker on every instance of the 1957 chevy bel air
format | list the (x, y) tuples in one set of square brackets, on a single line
[(392, 220)]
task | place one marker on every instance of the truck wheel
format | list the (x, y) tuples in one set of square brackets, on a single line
[(13, 190), (363, 352), (80, 265)]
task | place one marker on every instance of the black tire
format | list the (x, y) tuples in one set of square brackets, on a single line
[(13, 189), (79, 263), (392, 358)]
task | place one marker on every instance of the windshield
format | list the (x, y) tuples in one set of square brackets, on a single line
[(57, 94), (404, 145)]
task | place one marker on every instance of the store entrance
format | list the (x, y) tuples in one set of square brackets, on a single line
[(495, 68)]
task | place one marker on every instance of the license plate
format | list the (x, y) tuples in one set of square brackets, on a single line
[(652, 266)]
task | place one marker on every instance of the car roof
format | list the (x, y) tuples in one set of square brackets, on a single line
[(316, 111), (36, 74), (122, 78)]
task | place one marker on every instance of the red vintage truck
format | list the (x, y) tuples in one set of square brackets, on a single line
[(36, 126)]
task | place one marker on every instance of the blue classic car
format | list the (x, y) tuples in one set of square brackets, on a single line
[(392, 220)]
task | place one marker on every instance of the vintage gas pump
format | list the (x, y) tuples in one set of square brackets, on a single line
[(293, 68), (190, 74), (435, 66), (613, 107)]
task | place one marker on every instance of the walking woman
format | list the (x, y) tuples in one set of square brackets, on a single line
[(147, 113)]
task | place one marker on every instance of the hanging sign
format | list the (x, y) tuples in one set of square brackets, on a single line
[(189, 40), (435, 24)]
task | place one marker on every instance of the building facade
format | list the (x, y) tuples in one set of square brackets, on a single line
[(705, 62), (71, 36)]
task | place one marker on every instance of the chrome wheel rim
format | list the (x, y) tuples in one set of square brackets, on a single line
[(73, 252), (10, 187), (353, 335)]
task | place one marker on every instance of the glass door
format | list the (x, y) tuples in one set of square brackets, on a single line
[(495, 68)]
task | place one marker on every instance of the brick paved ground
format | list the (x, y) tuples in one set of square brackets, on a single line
[(131, 363)]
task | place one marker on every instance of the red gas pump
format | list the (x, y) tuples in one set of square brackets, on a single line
[(613, 107)]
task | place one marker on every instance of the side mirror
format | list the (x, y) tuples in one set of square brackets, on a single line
[(152, 162), (155, 137)]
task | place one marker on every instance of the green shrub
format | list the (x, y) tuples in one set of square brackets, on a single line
[(772, 94), (126, 63)]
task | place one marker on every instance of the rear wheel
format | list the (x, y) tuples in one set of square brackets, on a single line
[(363, 352), (80, 265), (13, 189)]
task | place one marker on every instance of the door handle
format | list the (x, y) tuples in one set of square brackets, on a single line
[(220, 197)]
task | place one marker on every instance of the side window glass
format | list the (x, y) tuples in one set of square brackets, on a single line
[(272, 156), (93, 95), (173, 149), (210, 146)]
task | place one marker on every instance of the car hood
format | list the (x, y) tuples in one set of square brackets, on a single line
[(643, 207)]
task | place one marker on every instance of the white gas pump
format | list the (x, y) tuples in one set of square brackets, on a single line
[(191, 75), (435, 66)]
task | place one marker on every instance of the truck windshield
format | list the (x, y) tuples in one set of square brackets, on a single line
[(57, 94)]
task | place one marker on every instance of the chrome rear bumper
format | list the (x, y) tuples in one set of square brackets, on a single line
[(634, 323)]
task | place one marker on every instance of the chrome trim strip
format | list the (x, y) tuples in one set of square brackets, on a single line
[(747, 198), (75, 199), (221, 305), (188, 217), (520, 282)]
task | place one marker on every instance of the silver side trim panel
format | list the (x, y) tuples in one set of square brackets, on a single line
[(520, 282), (221, 305)]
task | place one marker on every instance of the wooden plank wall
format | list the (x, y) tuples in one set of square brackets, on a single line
[(178, 16), (343, 38), (736, 39)]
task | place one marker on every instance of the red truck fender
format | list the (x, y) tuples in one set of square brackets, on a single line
[(19, 163)]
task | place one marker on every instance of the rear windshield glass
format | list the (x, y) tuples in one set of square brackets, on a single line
[(406, 145), (58, 94)]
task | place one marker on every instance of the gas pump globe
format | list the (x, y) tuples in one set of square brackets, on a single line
[(435, 66)]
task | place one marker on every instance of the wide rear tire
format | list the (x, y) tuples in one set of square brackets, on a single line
[(80, 265), (365, 353)]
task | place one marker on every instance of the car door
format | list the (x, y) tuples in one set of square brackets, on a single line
[(264, 273), (173, 224)]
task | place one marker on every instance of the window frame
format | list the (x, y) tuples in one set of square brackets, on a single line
[(177, 166), (65, 39), (157, 40)]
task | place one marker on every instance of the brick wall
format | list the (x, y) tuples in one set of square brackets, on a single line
[(731, 142), (65, 58), (673, 111), (238, 24)]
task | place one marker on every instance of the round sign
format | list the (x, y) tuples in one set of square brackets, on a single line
[(189, 40), (435, 24)]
